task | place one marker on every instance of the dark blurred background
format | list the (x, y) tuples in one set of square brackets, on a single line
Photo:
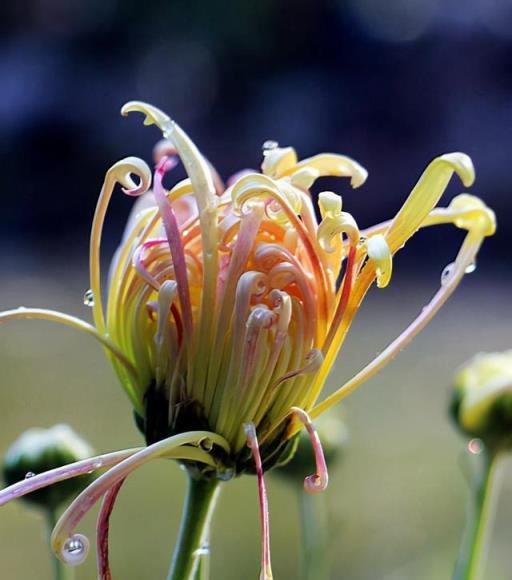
[(391, 83)]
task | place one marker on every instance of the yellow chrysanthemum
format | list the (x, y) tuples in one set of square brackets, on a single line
[(227, 306)]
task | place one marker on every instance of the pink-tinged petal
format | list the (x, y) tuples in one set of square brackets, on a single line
[(252, 442), (318, 481), (166, 148), (62, 473), (175, 244), (260, 319), (314, 360), (138, 262), (251, 288), (283, 309), (102, 530), (183, 446), (348, 282)]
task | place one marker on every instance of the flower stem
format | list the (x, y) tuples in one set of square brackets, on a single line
[(480, 512), (315, 535), (194, 532), (61, 571)]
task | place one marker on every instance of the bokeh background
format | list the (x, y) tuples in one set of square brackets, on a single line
[(391, 83)]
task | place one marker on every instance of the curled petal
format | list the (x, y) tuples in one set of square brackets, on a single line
[(121, 172), (318, 481), (294, 198), (183, 446), (267, 256), (282, 307), (380, 256), (474, 214), (426, 195), (261, 187), (259, 320), (479, 221), (330, 164), (330, 227), (278, 160), (153, 115), (228, 228), (138, 262)]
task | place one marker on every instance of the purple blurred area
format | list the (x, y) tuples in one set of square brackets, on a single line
[(392, 84)]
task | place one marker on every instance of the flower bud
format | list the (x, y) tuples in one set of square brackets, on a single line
[(38, 450), (482, 398), (333, 435)]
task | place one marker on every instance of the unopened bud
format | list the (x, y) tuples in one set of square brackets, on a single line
[(39, 450), (482, 398)]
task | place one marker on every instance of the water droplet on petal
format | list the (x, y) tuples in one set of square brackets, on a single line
[(89, 298), (204, 550), (226, 475), (269, 145), (29, 474), (98, 464), (446, 274), (475, 446), (75, 549), (470, 269), (206, 443)]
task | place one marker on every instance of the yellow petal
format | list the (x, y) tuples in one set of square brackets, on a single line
[(474, 214), (330, 164), (426, 194), (278, 160)]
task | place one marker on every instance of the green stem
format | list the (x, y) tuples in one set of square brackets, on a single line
[(315, 536), (474, 544), (194, 532), (60, 570)]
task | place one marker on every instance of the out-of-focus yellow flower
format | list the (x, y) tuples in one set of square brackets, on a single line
[(482, 403), (227, 306)]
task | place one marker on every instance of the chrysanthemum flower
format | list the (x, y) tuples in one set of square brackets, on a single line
[(227, 306)]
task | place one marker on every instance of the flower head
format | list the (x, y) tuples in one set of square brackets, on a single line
[(227, 306)]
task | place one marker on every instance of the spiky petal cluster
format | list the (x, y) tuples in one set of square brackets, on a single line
[(228, 306)]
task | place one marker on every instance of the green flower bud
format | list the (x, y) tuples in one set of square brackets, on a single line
[(38, 450), (333, 436), (482, 398)]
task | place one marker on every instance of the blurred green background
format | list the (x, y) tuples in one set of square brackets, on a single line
[(396, 499)]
